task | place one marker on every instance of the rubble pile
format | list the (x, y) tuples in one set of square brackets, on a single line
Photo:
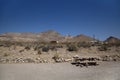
[(32, 60), (22, 60), (110, 58), (58, 60)]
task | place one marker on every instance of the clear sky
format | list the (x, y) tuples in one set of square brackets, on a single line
[(90, 17)]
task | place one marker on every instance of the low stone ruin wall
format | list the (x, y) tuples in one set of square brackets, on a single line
[(59, 60)]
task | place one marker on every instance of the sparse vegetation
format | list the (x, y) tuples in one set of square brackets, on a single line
[(72, 47), (103, 48), (27, 48), (39, 52), (45, 49), (56, 57), (83, 44), (6, 54), (21, 51), (35, 48)]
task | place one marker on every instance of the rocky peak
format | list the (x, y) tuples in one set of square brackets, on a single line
[(112, 39)]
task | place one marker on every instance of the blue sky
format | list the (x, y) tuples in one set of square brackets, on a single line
[(90, 17)]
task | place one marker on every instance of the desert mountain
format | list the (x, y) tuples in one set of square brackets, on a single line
[(50, 35), (45, 36), (112, 39), (81, 38)]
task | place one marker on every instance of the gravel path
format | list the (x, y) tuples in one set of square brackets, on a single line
[(59, 71)]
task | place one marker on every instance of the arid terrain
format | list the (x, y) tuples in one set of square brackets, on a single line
[(48, 56), (50, 46), (59, 71)]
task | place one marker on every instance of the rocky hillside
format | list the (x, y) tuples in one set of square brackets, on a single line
[(34, 52), (81, 38), (46, 36), (27, 36), (112, 39), (50, 35)]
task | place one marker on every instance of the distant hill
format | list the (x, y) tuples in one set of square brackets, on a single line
[(45, 36), (112, 39), (18, 36), (50, 35), (81, 38)]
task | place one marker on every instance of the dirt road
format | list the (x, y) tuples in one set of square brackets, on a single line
[(59, 71)]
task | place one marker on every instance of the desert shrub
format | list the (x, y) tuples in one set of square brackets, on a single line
[(39, 52), (118, 44), (29, 60), (72, 48), (56, 56), (59, 46), (103, 48), (36, 48), (45, 49), (7, 44), (5, 55), (114, 44), (27, 48), (51, 47), (21, 51), (83, 44), (20, 43)]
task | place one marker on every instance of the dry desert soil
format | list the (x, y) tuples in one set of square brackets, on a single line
[(59, 71)]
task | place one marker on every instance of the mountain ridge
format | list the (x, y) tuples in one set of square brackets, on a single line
[(46, 36)]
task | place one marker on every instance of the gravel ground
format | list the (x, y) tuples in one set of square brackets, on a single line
[(59, 71)]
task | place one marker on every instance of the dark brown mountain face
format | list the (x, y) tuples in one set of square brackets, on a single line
[(112, 39)]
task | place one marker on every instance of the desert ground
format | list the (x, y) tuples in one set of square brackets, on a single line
[(59, 71), (38, 62)]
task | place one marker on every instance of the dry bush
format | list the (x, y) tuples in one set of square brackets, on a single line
[(56, 57), (72, 47), (27, 48), (39, 52), (103, 48), (45, 49), (84, 44), (6, 54)]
